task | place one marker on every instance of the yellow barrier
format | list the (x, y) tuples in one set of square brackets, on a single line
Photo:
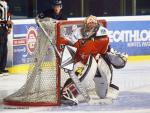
[(19, 69), (138, 58), (23, 68)]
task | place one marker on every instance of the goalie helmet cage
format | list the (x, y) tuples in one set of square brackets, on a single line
[(45, 78)]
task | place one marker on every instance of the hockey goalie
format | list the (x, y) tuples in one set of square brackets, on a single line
[(87, 57)]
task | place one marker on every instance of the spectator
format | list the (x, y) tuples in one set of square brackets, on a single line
[(55, 12)]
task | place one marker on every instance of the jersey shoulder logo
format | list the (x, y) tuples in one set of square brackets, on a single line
[(102, 31)]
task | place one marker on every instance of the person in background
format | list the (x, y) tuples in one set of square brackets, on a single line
[(55, 12), (5, 29)]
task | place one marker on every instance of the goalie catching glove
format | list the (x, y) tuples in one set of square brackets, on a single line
[(117, 59)]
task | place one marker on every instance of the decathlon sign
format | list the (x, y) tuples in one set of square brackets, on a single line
[(132, 37)]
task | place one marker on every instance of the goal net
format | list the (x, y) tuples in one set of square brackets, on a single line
[(42, 85), (45, 78)]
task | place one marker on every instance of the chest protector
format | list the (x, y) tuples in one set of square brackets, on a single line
[(98, 44)]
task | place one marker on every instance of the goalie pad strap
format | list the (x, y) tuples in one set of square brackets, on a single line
[(114, 86)]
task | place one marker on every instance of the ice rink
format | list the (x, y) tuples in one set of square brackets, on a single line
[(134, 97)]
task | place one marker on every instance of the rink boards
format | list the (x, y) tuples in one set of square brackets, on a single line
[(127, 34)]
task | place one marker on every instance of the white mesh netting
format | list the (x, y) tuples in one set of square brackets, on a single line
[(42, 86)]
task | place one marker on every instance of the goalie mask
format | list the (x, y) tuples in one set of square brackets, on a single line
[(91, 19), (90, 27), (90, 22)]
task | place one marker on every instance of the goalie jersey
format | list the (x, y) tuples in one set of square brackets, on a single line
[(96, 44)]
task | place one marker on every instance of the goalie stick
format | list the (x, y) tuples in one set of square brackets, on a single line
[(75, 79)]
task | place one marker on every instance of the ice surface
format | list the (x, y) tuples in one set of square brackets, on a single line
[(134, 97)]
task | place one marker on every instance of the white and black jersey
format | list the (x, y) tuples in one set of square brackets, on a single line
[(3, 11), (4, 16)]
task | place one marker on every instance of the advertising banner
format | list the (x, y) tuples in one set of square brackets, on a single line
[(128, 35), (132, 37), (24, 38)]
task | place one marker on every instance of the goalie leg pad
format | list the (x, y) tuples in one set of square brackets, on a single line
[(102, 78), (85, 74), (101, 86)]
